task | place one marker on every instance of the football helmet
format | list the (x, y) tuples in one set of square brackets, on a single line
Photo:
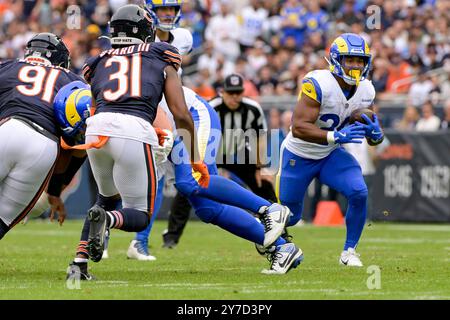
[(350, 45), (50, 47), (131, 25), (153, 5), (72, 106)]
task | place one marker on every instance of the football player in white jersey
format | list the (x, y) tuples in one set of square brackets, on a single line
[(167, 16), (319, 127)]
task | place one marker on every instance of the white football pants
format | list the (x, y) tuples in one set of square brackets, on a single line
[(126, 167), (27, 159)]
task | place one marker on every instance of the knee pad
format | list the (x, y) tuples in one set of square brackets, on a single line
[(108, 203), (209, 214), (358, 196)]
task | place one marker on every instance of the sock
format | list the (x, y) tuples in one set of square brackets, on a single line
[(226, 191), (242, 224), (127, 219), (280, 241), (114, 219), (144, 235), (82, 245), (80, 260), (296, 211), (355, 218)]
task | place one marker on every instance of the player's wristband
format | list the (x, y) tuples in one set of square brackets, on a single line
[(330, 137)]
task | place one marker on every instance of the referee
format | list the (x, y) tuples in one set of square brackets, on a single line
[(244, 131), (244, 137)]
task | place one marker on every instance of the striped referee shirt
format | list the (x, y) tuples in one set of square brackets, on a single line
[(241, 129)]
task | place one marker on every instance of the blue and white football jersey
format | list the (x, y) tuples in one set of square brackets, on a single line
[(335, 110)]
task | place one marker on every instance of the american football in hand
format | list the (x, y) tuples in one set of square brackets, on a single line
[(357, 115)]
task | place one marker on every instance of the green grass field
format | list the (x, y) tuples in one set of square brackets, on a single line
[(211, 264)]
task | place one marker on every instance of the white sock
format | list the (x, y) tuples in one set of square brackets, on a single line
[(80, 260)]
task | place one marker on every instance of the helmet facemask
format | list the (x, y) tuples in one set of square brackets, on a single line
[(355, 74)]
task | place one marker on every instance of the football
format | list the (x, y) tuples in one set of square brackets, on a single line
[(357, 115)]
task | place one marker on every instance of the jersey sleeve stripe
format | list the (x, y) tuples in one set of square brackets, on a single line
[(86, 72), (311, 88), (174, 60), (170, 53), (171, 61)]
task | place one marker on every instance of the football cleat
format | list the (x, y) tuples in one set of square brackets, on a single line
[(264, 251), (97, 232), (267, 251), (285, 257), (78, 271), (350, 258), (139, 251), (169, 242), (274, 220)]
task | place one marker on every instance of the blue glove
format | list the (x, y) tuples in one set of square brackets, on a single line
[(349, 134), (372, 128)]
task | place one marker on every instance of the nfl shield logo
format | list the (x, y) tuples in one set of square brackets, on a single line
[(292, 162)]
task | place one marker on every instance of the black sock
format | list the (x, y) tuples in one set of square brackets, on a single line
[(82, 245), (127, 219)]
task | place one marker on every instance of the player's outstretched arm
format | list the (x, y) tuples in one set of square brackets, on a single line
[(67, 165), (173, 92)]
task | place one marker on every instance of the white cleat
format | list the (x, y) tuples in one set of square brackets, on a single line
[(274, 219), (286, 257), (105, 254), (138, 251), (350, 258)]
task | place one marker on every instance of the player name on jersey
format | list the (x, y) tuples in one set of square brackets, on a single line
[(127, 50)]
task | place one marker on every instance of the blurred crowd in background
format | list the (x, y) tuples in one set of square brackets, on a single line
[(273, 44)]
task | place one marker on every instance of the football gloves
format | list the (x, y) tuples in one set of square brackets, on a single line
[(165, 140), (349, 134), (372, 128), (201, 168)]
